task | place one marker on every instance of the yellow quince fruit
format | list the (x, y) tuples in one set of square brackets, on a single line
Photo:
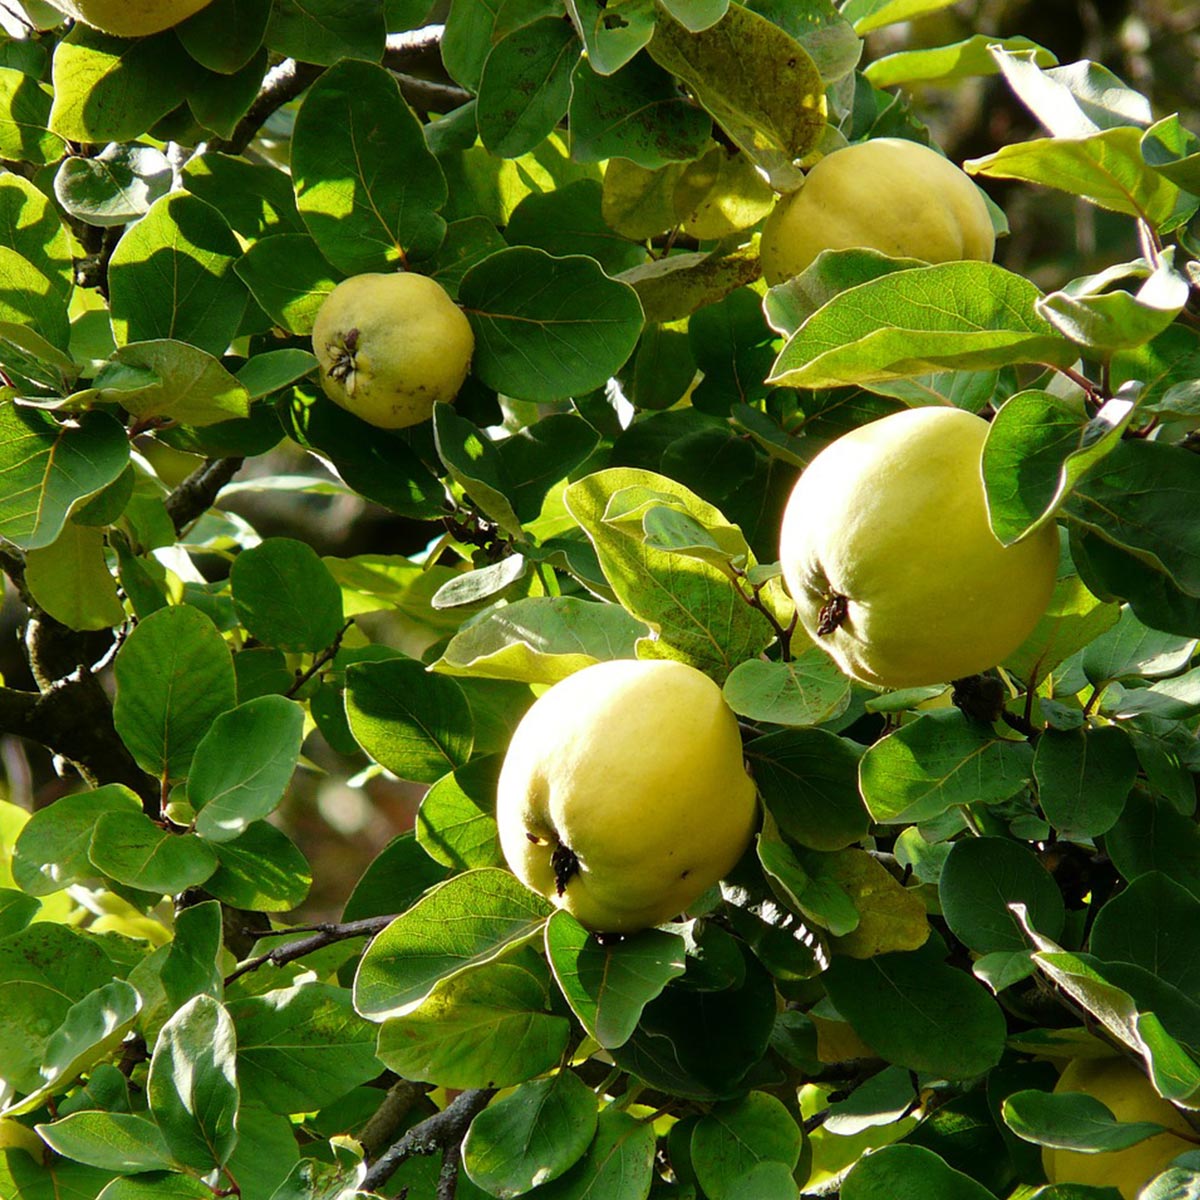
[(623, 795), (390, 347), (887, 552), (130, 18), (888, 194), (1130, 1096)]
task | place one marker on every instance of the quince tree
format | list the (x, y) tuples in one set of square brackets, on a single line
[(602, 599)]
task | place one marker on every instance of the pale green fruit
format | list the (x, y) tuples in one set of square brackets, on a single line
[(887, 551), (390, 347), (888, 194), (1122, 1088), (623, 795), (130, 18)]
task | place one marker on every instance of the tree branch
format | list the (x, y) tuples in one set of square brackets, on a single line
[(437, 1133), (284, 82), (197, 493), (325, 935)]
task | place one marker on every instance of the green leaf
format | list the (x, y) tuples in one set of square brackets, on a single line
[(289, 278), (608, 986), (50, 468), (611, 44), (1037, 448), (1072, 1121), (1105, 168), (1137, 498), (70, 579), (174, 677), (30, 225), (172, 276), (109, 89), (735, 1136), (285, 596), (1173, 151), (981, 877), (948, 1026), (775, 113), (1130, 648), (1083, 777), (948, 64), (808, 886), (692, 606), (1152, 924), (1152, 835), (172, 380), (324, 31), (192, 964), (619, 1164), (637, 113), (1103, 318), (192, 1087), (807, 690), (525, 86), (301, 1047), (224, 36), (891, 917), (456, 823), (570, 220), (541, 639), (673, 1047), (394, 880), (487, 1027), (243, 765), (908, 1173), (465, 922), (1071, 620), (51, 852), (416, 724), (958, 315), (530, 1136), (674, 287), (25, 120), (547, 328), (261, 871), (939, 760), (44, 970), (17, 910), (367, 187), (114, 1141), (808, 779), (132, 849), (91, 1030), (378, 464)]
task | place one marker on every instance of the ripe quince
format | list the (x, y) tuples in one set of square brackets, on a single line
[(887, 194), (390, 347), (130, 18), (1129, 1095), (623, 795), (887, 551)]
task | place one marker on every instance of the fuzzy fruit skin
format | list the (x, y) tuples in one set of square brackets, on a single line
[(130, 18), (636, 766), (892, 518), (390, 347), (888, 194), (1121, 1087)]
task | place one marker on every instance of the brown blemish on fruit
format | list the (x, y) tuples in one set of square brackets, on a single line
[(566, 866), (832, 615)]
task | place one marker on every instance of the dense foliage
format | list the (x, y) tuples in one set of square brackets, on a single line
[(954, 887)]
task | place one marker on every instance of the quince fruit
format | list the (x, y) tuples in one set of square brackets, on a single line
[(130, 18), (888, 194), (887, 552), (390, 347), (1129, 1095), (623, 795)]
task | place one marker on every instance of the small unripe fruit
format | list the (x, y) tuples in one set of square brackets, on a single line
[(888, 194), (888, 553), (390, 347), (623, 795)]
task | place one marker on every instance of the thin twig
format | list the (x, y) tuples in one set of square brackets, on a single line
[(197, 493), (328, 653), (436, 1133), (326, 935)]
